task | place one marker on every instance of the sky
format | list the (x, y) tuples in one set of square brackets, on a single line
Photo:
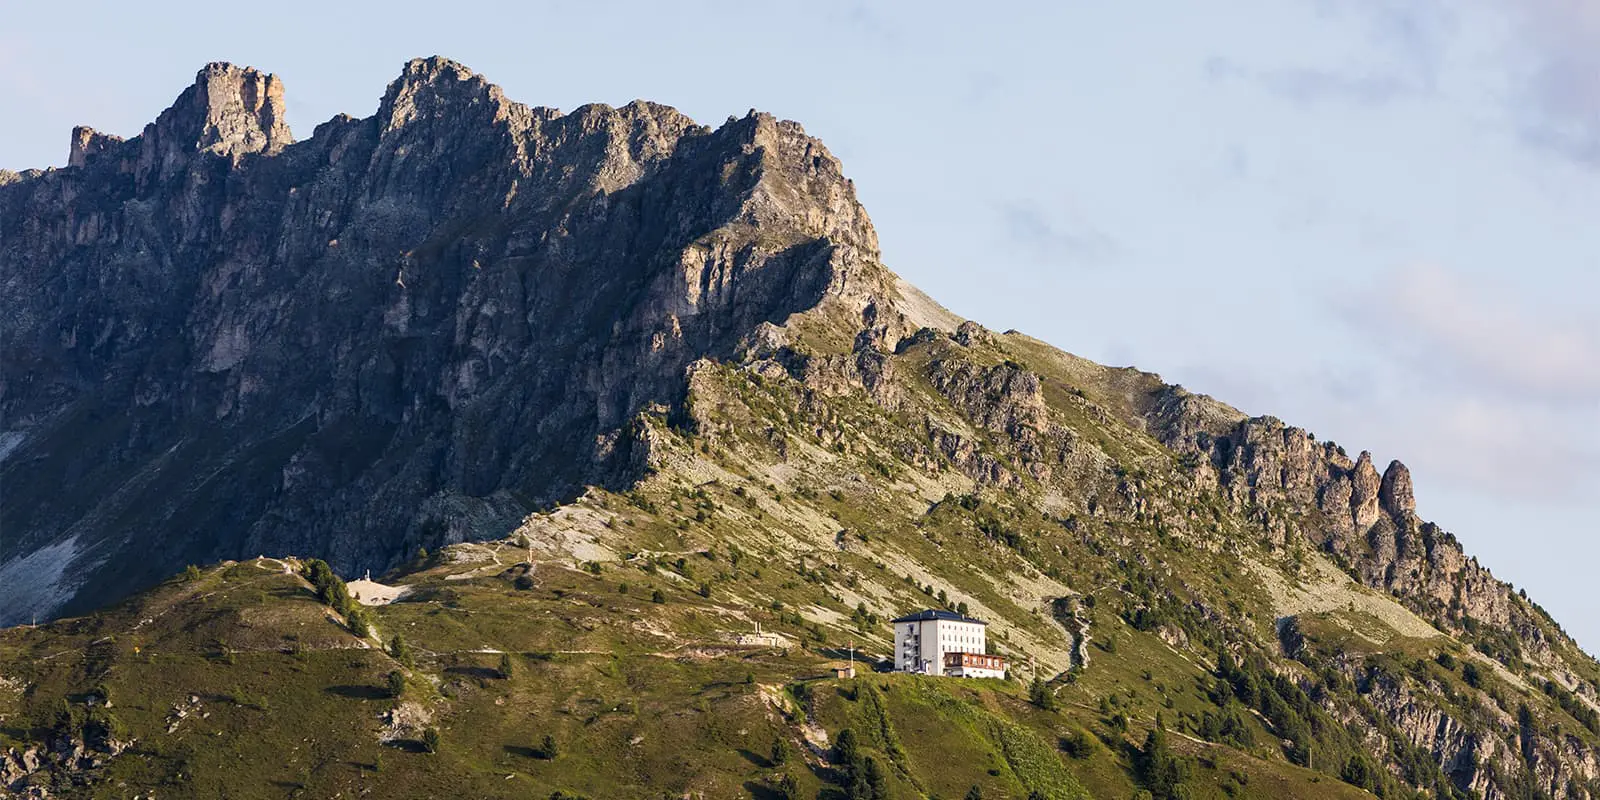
[(1374, 219)]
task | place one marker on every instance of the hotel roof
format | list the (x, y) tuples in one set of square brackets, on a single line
[(933, 614)]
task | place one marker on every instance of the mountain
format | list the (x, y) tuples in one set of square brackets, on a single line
[(639, 385), (408, 330)]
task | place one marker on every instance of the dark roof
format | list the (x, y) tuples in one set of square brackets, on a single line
[(932, 614)]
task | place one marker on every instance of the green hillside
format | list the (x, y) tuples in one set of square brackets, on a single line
[(1182, 648)]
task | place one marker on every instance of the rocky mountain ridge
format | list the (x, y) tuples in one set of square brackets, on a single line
[(613, 339), (407, 330)]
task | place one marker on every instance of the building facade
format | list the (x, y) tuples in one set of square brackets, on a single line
[(974, 665), (923, 642)]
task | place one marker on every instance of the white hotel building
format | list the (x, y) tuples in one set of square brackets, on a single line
[(944, 643)]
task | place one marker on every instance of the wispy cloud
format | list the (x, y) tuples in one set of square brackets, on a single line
[(1513, 389), (1053, 237), (1471, 334), (1312, 85), (1558, 105), (1548, 52)]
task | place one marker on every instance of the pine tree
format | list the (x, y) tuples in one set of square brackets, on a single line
[(400, 650), (1040, 695), (788, 787)]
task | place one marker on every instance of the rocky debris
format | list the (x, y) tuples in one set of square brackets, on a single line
[(181, 712), (405, 721), (68, 758)]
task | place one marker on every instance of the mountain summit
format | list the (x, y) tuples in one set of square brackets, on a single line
[(407, 330), (506, 355)]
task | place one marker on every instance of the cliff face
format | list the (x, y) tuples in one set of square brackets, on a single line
[(406, 330), (1271, 471)]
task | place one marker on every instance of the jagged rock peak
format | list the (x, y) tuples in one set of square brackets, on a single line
[(1367, 487), (427, 85), (230, 111), (1396, 493), (88, 143)]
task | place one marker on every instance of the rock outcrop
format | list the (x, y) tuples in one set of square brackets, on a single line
[(228, 342)]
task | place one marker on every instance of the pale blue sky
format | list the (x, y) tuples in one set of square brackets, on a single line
[(1372, 218)]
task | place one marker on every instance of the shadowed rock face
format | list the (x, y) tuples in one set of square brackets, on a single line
[(406, 330)]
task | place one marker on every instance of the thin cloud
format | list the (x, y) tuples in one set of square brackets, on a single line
[(1312, 86), (1558, 107), (1052, 238), (1514, 390), (1548, 52), (1458, 330)]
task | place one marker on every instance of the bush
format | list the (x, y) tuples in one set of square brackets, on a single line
[(430, 740), (191, 574), (657, 596), (1161, 771), (400, 651), (780, 752), (1040, 695), (548, 749), (357, 622), (330, 589), (788, 787), (396, 684), (1078, 744), (506, 665)]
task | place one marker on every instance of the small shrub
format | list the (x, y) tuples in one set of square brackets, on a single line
[(400, 651), (396, 684), (657, 596), (1078, 744), (548, 749), (788, 788), (1040, 695), (430, 740), (357, 622)]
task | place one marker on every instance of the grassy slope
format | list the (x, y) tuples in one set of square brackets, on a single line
[(817, 518), (644, 699)]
